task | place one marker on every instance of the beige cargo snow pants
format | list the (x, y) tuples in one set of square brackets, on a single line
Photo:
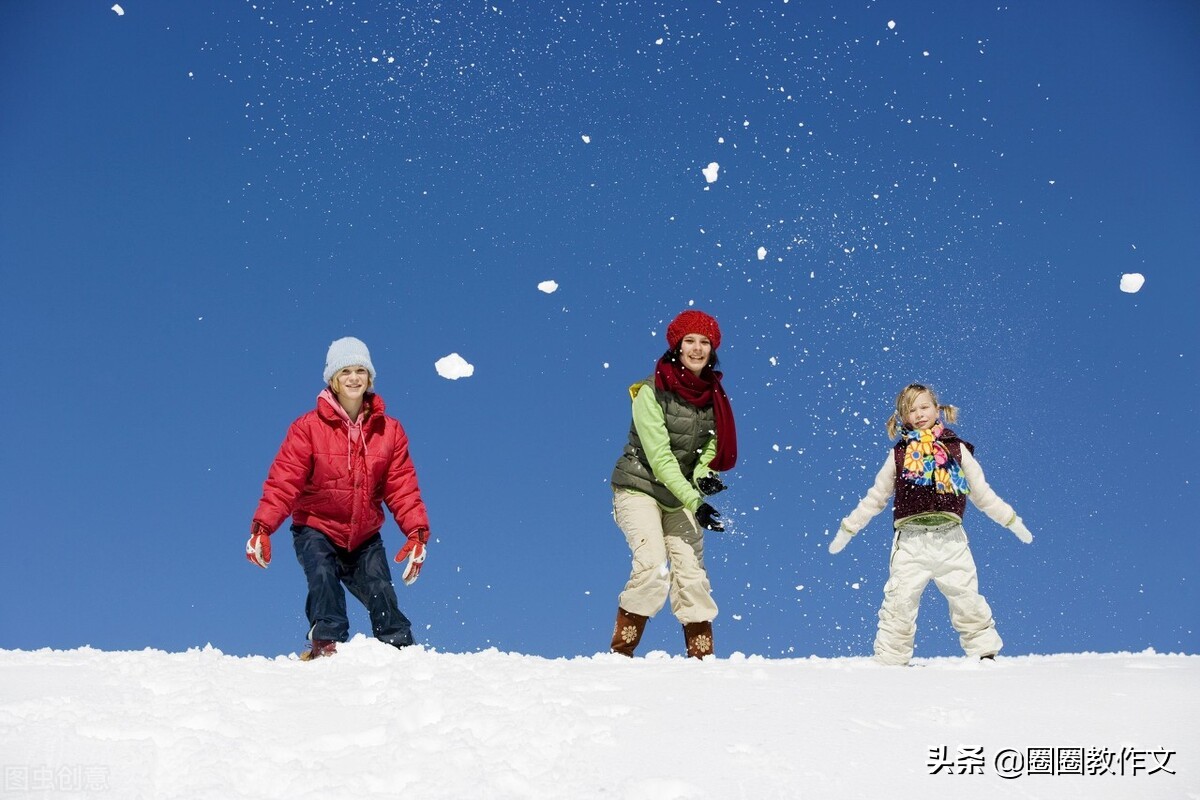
[(659, 538)]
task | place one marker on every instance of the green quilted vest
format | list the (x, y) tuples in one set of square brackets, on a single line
[(689, 428)]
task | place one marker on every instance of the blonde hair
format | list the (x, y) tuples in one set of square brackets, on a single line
[(904, 403), (335, 386)]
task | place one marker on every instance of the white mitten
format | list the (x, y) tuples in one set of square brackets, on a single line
[(840, 541), (1020, 531)]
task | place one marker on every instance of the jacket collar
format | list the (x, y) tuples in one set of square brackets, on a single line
[(330, 410)]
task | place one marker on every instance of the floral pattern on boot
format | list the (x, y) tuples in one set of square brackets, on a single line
[(699, 639), (627, 632)]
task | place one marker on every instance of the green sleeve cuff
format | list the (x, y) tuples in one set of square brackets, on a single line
[(702, 466)]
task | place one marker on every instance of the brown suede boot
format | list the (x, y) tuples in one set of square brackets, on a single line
[(627, 632), (699, 639)]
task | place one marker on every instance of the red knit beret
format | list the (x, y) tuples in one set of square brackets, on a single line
[(692, 321)]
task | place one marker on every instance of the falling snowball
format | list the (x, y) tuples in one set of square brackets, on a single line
[(120, 11), (549, 287), (586, 139), (453, 367), (891, 24), (762, 254), (710, 172), (1131, 282)]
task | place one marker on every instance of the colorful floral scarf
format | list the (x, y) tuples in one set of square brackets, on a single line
[(927, 462)]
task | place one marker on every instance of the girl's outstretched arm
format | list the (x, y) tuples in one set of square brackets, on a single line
[(988, 501), (875, 500)]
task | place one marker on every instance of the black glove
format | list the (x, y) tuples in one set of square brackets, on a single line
[(710, 484), (709, 517)]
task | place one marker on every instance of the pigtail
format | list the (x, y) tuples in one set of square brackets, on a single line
[(891, 426), (949, 413)]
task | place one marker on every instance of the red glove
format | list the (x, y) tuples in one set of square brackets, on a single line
[(414, 551), (258, 547)]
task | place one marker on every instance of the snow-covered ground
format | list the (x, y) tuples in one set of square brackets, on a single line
[(376, 722)]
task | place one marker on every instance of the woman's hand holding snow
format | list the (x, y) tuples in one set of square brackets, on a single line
[(711, 484), (840, 541), (709, 517), (414, 550), (1020, 531), (258, 546)]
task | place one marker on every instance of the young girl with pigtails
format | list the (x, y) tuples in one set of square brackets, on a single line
[(932, 473)]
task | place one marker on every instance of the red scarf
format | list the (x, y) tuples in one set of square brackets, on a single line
[(703, 391)]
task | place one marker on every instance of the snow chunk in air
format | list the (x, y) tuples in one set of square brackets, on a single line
[(710, 172), (549, 287), (120, 11), (1131, 282), (762, 254), (453, 367), (586, 139)]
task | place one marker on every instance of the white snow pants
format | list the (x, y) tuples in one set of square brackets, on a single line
[(656, 538), (940, 554)]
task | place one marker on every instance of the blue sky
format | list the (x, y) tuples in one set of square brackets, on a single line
[(195, 202)]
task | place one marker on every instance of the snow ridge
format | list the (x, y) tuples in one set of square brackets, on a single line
[(373, 721)]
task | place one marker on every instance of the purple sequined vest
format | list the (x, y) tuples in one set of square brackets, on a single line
[(911, 499)]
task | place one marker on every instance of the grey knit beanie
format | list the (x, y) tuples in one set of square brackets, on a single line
[(347, 352)]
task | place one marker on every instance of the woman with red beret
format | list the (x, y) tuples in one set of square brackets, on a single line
[(682, 436)]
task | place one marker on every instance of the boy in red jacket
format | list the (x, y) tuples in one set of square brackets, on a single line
[(338, 464)]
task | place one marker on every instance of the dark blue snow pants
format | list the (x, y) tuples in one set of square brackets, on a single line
[(365, 573)]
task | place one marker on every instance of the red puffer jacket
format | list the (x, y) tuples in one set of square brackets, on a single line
[(329, 477)]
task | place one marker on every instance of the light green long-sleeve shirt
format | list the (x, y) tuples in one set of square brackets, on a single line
[(651, 425)]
